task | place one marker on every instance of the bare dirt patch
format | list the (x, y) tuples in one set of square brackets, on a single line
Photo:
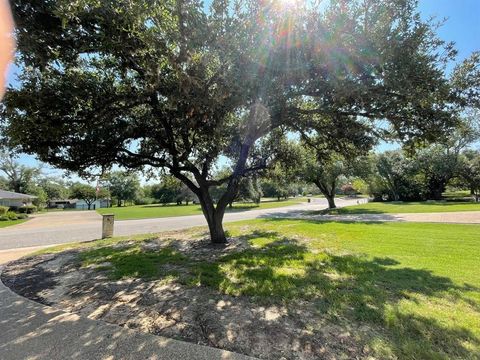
[(167, 307)]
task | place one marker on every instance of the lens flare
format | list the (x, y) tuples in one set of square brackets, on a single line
[(288, 3)]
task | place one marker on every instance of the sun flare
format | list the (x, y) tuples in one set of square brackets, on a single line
[(288, 3)]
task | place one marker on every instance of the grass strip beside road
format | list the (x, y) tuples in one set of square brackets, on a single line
[(404, 208), (7, 223), (160, 211)]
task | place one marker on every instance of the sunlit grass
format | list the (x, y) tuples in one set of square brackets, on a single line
[(7, 223), (406, 207), (159, 211)]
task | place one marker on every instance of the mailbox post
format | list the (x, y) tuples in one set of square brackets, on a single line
[(107, 225)]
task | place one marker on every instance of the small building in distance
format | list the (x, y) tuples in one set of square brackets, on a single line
[(77, 204)]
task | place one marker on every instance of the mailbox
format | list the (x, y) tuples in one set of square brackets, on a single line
[(107, 225)]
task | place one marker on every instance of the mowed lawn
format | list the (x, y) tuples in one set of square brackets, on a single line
[(6, 223), (412, 288), (407, 207), (159, 210)]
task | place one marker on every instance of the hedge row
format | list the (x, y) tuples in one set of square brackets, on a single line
[(10, 215)]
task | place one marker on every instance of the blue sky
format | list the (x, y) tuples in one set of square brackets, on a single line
[(462, 27)]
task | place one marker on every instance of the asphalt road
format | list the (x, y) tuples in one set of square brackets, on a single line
[(64, 227)]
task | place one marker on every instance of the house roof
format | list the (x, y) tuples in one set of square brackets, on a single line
[(13, 195)]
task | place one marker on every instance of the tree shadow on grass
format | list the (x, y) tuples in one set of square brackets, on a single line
[(353, 287), (361, 210), (133, 261), (382, 220), (282, 270), (345, 211)]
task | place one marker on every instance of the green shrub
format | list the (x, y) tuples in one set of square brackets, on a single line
[(29, 209), (22, 216), (12, 215), (3, 210), (4, 218), (144, 201)]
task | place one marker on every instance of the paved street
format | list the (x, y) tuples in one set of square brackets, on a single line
[(69, 226)]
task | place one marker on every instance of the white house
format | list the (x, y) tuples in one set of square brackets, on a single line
[(78, 204), (15, 200), (97, 204)]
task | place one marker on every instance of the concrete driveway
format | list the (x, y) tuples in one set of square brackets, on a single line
[(52, 228), (60, 218)]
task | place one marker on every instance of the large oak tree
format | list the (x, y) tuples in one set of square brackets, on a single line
[(170, 84)]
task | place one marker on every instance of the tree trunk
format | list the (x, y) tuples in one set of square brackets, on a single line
[(214, 214), (436, 193), (436, 188), (331, 201), (215, 225), (214, 218), (217, 234), (328, 193)]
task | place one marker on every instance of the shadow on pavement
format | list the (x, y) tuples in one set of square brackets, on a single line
[(34, 331)]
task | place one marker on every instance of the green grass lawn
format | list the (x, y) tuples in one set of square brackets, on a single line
[(456, 194), (159, 211), (413, 288), (407, 207), (11, 222)]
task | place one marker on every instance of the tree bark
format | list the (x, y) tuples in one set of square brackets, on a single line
[(331, 201), (214, 219), (328, 193), (436, 188), (215, 226), (436, 192)]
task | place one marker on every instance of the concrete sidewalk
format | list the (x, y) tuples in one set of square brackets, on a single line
[(14, 254), (464, 217), (29, 330)]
